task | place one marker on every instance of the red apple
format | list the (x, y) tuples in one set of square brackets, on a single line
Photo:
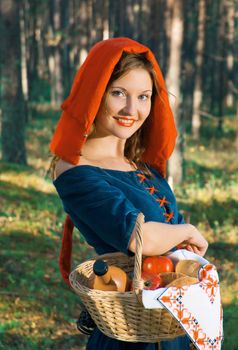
[(151, 280)]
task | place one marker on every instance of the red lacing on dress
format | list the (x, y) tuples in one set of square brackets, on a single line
[(169, 216), (152, 189), (142, 177), (162, 201)]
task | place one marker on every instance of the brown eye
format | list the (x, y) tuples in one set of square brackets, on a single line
[(117, 93), (144, 97)]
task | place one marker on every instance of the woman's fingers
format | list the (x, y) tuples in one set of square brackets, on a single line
[(190, 248)]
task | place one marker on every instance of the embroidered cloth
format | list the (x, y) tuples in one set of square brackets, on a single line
[(196, 307)]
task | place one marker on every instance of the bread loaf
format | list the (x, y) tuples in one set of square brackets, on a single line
[(188, 267)]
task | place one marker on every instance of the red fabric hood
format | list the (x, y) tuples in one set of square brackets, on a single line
[(80, 108)]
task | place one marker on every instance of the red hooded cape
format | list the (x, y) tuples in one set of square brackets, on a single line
[(80, 110)]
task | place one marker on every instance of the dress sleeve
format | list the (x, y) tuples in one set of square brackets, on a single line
[(180, 219), (101, 207)]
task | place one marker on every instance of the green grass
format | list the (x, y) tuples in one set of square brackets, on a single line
[(37, 310)]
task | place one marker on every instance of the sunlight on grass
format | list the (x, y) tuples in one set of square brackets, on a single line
[(26, 180)]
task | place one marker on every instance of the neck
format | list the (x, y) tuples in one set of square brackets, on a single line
[(104, 148)]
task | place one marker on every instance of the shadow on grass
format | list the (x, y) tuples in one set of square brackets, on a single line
[(218, 211), (230, 322), (17, 243), (11, 341), (201, 174), (27, 196), (214, 212), (209, 133), (223, 249)]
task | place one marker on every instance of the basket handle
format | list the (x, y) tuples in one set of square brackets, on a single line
[(137, 281)]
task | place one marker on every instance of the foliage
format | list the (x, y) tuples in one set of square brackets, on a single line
[(37, 310), (40, 90)]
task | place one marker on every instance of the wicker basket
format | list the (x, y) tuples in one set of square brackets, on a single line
[(122, 315)]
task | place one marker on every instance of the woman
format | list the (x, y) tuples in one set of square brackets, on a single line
[(112, 143)]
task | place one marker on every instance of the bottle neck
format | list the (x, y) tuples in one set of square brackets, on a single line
[(106, 277)]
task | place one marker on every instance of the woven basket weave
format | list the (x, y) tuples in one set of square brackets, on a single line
[(122, 315)]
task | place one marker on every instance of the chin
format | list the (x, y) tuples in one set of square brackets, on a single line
[(124, 135)]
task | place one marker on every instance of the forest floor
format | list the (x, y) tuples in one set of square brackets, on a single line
[(37, 309)]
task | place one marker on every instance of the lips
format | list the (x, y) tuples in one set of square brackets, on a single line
[(127, 122)]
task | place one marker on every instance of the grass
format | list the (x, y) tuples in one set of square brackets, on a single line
[(37, 310)]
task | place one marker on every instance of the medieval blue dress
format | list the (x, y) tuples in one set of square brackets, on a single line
[(104, 204)]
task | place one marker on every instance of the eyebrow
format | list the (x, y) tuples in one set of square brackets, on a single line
[(120, 87)]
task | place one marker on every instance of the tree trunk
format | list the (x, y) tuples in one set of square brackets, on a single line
[(197, 94), (222, 65), (24, 75), (173, 84), (12, 103), (158, 40), (168, 13), (190, 11), (32, 49), (55, 38), (65, 60), (229, 51), (211, 49)]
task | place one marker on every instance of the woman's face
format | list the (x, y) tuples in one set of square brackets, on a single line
[(126, 105)]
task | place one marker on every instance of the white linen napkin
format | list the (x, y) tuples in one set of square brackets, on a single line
[(196, 307)]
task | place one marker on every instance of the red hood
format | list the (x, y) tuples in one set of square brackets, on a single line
[(80, 108)]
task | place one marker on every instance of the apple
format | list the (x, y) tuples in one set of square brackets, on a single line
[(151, 280)]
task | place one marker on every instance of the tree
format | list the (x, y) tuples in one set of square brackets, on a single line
[(197, 92), (222, 64), (173, 84), (24, 73), (12, 102), (55, 57), (230, 54)]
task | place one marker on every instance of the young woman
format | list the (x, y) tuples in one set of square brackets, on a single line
[(111, 145)]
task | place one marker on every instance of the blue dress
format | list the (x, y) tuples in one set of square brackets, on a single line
[(104, 204)]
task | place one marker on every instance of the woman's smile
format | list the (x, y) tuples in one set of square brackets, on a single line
[(127, 122)]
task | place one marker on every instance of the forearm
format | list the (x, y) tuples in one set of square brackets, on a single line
[(158, 238)]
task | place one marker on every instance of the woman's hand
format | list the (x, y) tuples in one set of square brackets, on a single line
[(196, 243)]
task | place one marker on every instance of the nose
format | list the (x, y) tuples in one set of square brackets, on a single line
[(131, 106)]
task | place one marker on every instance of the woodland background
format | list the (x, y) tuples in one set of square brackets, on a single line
[(42, 45)]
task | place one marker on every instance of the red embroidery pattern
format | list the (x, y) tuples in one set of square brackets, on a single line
[(162, 202), (172, 299), (209, 281)]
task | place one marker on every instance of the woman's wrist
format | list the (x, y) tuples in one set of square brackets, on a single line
[(192, 230)]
